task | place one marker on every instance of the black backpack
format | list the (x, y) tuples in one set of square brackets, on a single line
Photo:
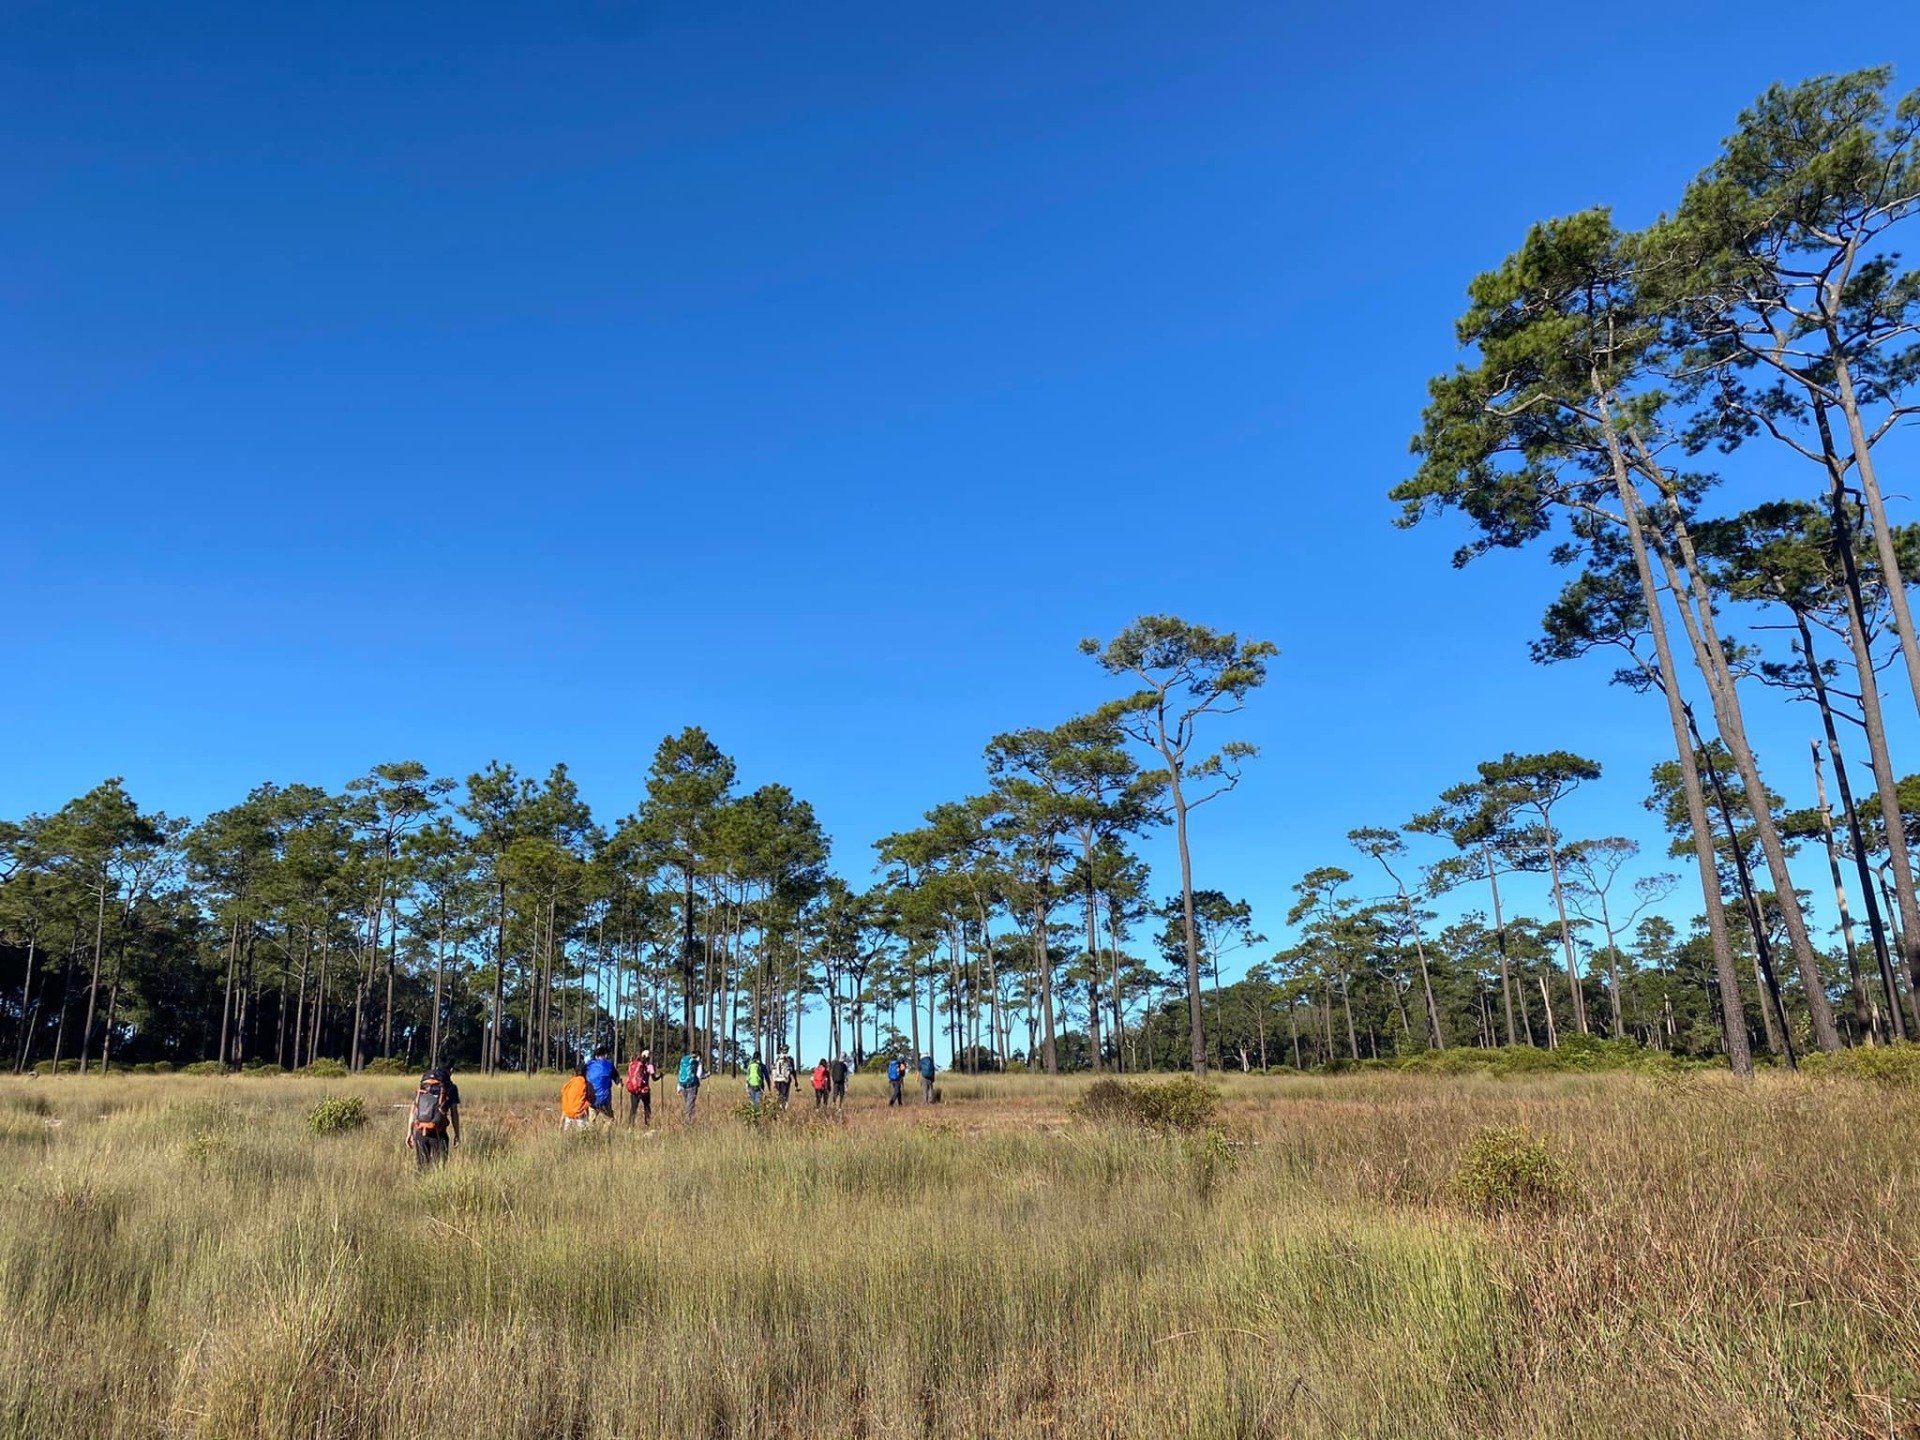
[(430, 1104)]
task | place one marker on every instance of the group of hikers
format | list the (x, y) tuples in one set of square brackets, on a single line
[(589, 1091), (433, 1126)]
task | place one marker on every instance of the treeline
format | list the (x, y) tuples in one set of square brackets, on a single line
[(495, 922)]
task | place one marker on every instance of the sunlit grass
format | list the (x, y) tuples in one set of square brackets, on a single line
[(184, 1257)]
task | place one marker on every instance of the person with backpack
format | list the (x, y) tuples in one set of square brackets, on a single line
[(599, 1074), (641, 1073), (756, 1081), (926, 1079), (838, 1072), (434, 1126), (896, 1076), (821, 1080), (692, 1072), (783, 1068), (576, 1101)]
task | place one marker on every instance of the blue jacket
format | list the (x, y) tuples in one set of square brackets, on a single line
[(600, 1079)]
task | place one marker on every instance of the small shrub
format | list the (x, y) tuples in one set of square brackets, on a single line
[(336, 1115), (387, 1065), (324, 1069), (1180, 1104), (66, 1067), (1211, 1158), (764, 1116), (204, 1067), (1503, 1170), (1896, 1066)]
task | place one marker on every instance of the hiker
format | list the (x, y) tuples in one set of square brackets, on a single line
[(820, 1082), (838, 1073), (641, 1073), (692, 1072), (756, 1081), (435, 1123), (896, 1076), (576, 1101), (926, 1079), (600, 1081), (783, 1068)]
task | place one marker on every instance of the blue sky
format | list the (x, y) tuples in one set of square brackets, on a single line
[(527, 382)]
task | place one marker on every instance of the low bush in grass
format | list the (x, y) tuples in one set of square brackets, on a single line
[(387, 1065), (337, 1114), (767, 1115), (1505, 1170), (324, 1069), (1179, 1104), (203, 1067), (1896, 1065)]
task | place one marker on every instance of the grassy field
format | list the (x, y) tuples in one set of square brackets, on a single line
[(183, 1257)]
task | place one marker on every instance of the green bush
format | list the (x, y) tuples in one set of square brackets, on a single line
[(764, 1116), (204, 1067), (1182, 1104), (66, 1067), (387, 1065), (336, 1115), (1503, 1169), (324, 1069), (1896, 1065)]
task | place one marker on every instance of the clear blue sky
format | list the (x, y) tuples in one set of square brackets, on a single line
[(461, 382)]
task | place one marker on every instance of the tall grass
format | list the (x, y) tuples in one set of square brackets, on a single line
[(185, 1257)]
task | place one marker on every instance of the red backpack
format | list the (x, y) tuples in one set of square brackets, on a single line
[(639, 1082)]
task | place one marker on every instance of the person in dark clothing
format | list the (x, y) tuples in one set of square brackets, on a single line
[(896, 1075), (434, 1126), (838, 1070)]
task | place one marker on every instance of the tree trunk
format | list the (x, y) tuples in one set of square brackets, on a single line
[(1199, 1038), (1723, 691), (93, 985), (1093, 958), (1499, 935), (1867, 1022), (1876, 927), (1886, 779), (1896, 584), (1733, 1020)]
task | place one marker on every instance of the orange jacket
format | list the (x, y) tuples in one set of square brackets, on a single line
[(575, 1103), (820, 1077)]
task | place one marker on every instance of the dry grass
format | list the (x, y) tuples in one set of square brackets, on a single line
[(183, 1257)]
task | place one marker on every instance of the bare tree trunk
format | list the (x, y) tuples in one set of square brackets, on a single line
[(1886, 779), (93, 985), (1733, 1020), (1500, 936), (1187, 924), (1868, 1024), (1723, 691), (1876, 509), (1876, 927)]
